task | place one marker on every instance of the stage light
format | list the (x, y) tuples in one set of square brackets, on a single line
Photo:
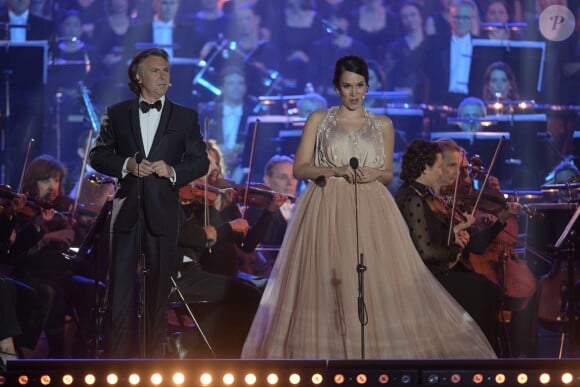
[(228, 379), (294, 379), (205, 379), (383, 378), (317, 378), (250, 379), (23, 380), (339, 379), (433, 379), (156, 379), (178, 378), (112, 379), (90, 379), (361, 379), (567, 378), (67, 379), (455, 378), (272, 379), (405, 379), (45, 380), (545, 378), (477, 378), (522, 378), (134, 379), (500, 378)]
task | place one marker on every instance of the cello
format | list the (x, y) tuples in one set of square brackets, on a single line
[(499, 262)]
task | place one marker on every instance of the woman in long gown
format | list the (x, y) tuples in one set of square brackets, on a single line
[(309, 307)]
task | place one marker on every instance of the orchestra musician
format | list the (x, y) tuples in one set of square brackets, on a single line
[(440, 243), (45, 230), (153, 146), (494, 235), (236, 240)]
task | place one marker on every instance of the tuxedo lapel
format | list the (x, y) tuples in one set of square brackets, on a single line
[(163, 122), (136, 126)]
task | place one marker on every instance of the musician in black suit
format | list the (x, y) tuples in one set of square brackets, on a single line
[(447, 59), (165, 137), (36, 28), (166, 31)]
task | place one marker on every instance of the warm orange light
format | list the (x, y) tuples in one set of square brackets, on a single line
[(90, 379)]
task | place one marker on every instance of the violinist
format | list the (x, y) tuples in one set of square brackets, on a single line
[(429, 224), (43, 234), (495, 232), (234, 234), (278, 177)]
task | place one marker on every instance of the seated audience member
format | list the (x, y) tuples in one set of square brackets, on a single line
[(563, 172), (440, 243), (279, 177), (42, 236), (497, 15)]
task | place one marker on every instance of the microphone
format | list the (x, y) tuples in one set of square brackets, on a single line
[(353, 163), (138, 157), (332, 28), (170, 85)]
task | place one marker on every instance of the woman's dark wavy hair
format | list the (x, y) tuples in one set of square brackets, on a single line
[(417, 156), (41, 168), (137, 65), (351, 63)]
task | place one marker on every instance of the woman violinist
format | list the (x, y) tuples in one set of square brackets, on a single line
[(429, 226), (491, 249), (42, 236), (234, 234)]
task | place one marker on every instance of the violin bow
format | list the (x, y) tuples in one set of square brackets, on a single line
[(83, 169), (25, 166), (491, 164), (454, 202), (206, 123), (251, 165)]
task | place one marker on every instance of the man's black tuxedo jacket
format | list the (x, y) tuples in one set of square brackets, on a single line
[(38, 28), (177, 141)]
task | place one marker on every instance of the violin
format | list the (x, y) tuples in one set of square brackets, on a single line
[(256, 195)]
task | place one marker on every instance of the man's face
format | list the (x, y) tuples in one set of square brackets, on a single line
[(18, 6), (234, 88), (154, 78), (461, 17), (282, 179), (451, 162), (470, 111), (168, 9)]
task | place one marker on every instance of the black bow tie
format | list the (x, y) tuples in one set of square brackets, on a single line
[(145, 107)]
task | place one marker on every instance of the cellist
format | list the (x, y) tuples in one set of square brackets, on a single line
[(491, 249)]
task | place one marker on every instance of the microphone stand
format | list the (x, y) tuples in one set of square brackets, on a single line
[(144, 271), (360, 267)]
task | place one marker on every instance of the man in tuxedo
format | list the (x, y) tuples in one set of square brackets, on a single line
[(154, 147), (33, 27), (165, 31), (448, 57)]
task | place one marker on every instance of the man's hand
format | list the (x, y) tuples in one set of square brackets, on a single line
[(211, 234), (240, 226)]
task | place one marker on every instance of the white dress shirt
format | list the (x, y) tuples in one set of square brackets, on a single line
[(163, 34), (18, 34), (461, 50), (232, 115)]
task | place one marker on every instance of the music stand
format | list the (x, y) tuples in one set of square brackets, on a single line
[(24, 67), (526, 58), (571, 282)]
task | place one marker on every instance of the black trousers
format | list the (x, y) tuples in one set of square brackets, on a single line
[(124, 336)]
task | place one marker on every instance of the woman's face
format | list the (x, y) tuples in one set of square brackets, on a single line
[(71, 27), (48, 189), (411, 18), (352, 89), (499, 84), (496, 13)]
